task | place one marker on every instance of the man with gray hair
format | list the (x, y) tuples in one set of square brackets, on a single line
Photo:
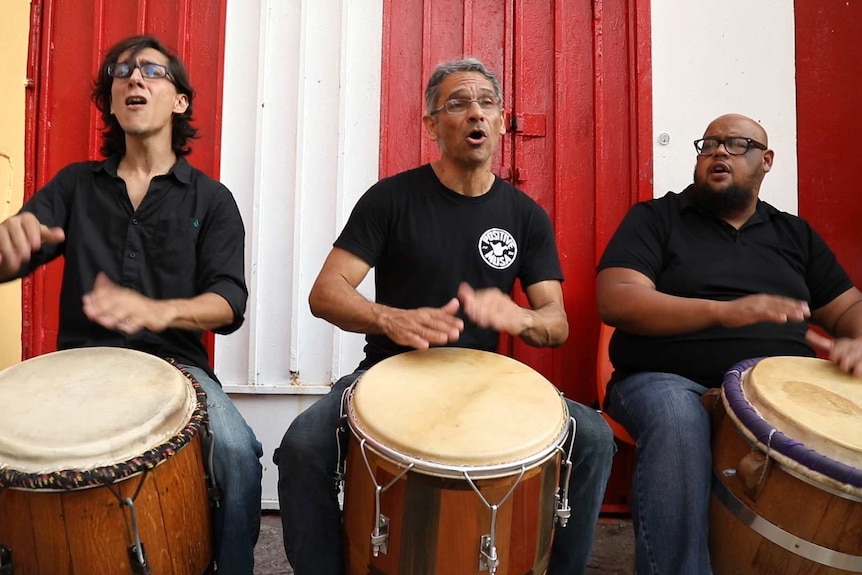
[(420, 230)]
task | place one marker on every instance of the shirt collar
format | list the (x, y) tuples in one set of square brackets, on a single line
[(182, 170)]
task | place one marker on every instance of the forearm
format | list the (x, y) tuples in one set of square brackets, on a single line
[(850, 323), (204, 312), (346, 308), (644, 311), (545, 327)]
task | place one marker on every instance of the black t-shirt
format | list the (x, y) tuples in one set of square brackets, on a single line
[(688, 252), (185, 238), (424, 239)]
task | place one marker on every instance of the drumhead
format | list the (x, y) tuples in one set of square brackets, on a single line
[(458, 407), (812, 401), (86, 408)]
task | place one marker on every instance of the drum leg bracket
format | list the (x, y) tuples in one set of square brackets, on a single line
[(213, 490), (6, 566), (488, 560), (564, 510), (380, 534), (137, 554)]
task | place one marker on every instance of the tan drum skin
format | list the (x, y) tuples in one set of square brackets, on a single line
[(90, 408), (447, 411), (772, 515)]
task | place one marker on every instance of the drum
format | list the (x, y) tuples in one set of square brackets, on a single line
[(787, 485), (101, 470), (453, 466)]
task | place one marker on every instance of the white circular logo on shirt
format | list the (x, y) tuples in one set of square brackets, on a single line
[(498, 248)]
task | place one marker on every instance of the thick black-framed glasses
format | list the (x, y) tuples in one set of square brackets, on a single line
[(735, 145), (456, 106), (148, 71)]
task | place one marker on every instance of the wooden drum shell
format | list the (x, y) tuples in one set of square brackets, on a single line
[(86, 428), (86, 531), (437, 522), (744, 504)]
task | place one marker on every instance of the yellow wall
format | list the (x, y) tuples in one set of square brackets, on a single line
[(14, 31)]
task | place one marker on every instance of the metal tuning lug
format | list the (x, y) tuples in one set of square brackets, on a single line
[(564, 510), (380, 536), (6, 566), (138, 559), (488, 560)]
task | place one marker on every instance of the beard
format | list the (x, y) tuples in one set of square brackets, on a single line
[(731, 200)]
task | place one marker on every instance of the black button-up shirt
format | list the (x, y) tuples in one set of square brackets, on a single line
[(186, 238)]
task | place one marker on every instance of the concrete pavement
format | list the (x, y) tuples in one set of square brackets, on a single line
[(613, 553)]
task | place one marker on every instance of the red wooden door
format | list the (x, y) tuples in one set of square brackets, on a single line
[(829, 121), (67, 41)]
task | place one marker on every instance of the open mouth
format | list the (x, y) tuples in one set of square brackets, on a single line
[(476, 137), (719, 168), (136, 101)]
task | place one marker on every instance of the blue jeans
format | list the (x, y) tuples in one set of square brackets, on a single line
[(311, 517), (237, 470), (671, 485)]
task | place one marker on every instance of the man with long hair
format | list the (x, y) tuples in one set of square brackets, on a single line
[(153, 257)]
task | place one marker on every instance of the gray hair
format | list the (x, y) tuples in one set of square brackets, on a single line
[(432, 91)]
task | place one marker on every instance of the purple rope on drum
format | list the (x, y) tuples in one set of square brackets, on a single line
[(787, 446), (71, 479)]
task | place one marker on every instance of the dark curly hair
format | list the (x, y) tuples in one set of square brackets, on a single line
[(113, 136)]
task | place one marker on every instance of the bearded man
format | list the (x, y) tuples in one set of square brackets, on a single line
[(694, 283)]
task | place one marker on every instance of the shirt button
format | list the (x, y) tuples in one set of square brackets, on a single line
[(134, 221), (133, 255)]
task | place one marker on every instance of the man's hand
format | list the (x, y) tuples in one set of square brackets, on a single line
[(20, 236), (845, 352), (423, 327), (125, 310), (492, 309), (760, 307)]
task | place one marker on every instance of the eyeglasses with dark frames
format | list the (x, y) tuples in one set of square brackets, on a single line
[(735, 145), (148, 71), (456, 106)]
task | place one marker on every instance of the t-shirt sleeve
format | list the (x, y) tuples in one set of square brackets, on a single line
[(825, 277), (364, 234), (638, 242), (541, 260)]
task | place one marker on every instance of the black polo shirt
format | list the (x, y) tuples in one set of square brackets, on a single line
[(688, 252), (186, 238)]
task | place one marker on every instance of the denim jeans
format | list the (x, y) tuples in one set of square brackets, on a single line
[(237, 470), (311, 517), (671, 484)]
